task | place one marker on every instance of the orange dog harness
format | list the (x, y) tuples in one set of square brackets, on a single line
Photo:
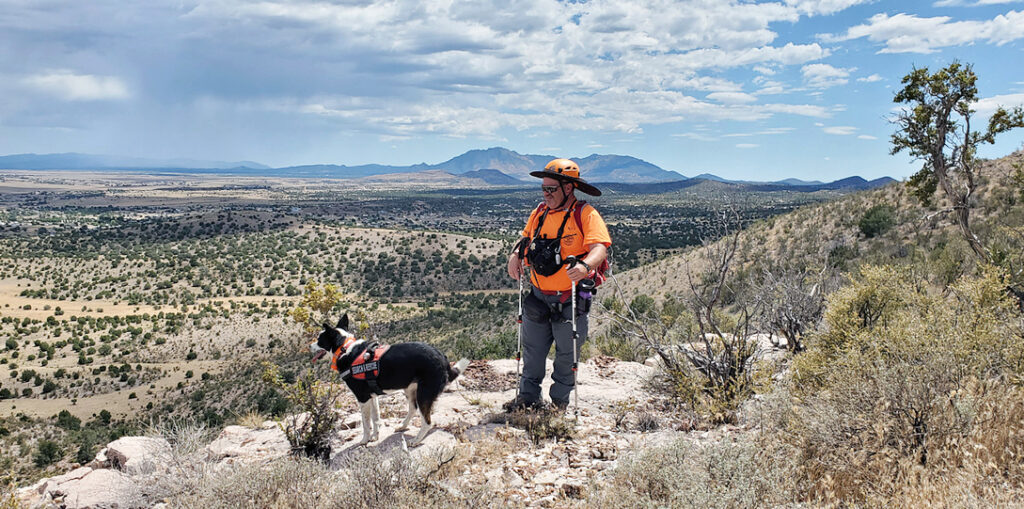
[(365, 367)]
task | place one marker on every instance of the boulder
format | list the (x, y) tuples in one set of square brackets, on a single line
[(98, 488), (47, 485), (136, 455), (242, 444)]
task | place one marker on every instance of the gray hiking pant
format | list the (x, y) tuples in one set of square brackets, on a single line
[(539, 331)]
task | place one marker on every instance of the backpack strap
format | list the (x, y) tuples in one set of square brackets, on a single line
[(577, 213), (542, 209), (602, 268)]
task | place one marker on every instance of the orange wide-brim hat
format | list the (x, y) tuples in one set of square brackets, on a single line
[(566, 170)]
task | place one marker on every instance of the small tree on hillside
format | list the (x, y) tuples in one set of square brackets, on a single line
[(937, 129), (702, 336), (877, 220), (315, 308), (792, 302)]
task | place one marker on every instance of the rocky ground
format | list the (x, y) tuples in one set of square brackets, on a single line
[(529, 463)]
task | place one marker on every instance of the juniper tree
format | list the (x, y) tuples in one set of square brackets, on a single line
[(936, 128)]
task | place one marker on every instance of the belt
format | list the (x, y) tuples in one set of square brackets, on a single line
[(563, 296), (554, 292)]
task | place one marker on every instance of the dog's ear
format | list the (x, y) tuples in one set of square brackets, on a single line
[(343, 323), (327, 326)]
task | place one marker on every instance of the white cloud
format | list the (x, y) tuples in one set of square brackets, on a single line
[(695, 136), (907, 33), (870, 79), (747, 145), (531, 64), (824, 75), (823, 6), (404, 68), (769, 86), (840, 130), (69, 86), (769, 131), (986, 106), (806, 110), (960, 3), (866, 137), (732, 97)]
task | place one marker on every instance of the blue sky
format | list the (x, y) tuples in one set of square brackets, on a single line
[(745, 90)]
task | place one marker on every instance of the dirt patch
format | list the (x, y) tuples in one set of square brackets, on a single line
[(480, 376), (605, 364)]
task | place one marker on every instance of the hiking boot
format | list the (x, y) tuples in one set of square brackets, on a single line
[(559, 405), (520, 403)]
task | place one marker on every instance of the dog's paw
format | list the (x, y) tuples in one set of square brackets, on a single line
[(373, 438)]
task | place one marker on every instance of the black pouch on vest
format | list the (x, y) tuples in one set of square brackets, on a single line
[(545, 256), (535, 309)]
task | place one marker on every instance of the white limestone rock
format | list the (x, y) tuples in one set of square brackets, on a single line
[(98, 489), (242, 444), (138, 455)]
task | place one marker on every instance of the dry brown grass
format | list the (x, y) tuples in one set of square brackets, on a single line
[(731, 473), (380, 480)]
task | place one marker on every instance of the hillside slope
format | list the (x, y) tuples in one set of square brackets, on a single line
[(829, 233)]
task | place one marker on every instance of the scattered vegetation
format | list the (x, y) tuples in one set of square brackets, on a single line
[(309, 432), (539, 426), (900, 309)]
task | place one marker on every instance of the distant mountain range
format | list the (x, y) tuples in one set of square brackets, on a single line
[(706, 184), (495, 166), (596, 167), (75, 161)]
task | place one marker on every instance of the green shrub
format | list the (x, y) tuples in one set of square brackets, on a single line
[(877, 220), (501, 345), (308, 435), (67, 421), (47, 453)]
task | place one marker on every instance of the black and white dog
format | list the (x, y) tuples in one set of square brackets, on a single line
[(419, 369)]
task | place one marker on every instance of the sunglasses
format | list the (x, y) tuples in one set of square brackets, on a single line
[(549, 189)]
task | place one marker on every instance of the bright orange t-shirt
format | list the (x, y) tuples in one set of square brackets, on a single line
[(574, 242)]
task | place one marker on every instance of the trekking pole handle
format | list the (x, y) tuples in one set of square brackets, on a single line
[(571, 261)]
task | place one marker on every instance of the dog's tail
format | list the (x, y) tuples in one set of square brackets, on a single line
[(458, 369)]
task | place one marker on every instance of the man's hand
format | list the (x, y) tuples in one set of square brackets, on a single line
[(577, 272), (515, 267), (596, 253)]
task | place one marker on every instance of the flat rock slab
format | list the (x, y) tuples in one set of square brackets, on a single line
[(242, 444), (135, 455), (98, 489), (436, 441)]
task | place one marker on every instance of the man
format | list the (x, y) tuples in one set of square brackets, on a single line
[(547, 309)]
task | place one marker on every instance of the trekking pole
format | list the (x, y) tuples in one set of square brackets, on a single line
[(575, 341), (519, 320)]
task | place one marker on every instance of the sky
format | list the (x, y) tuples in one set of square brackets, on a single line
[(741, 89)]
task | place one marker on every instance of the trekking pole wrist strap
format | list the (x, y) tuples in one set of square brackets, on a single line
[(519, 247)]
